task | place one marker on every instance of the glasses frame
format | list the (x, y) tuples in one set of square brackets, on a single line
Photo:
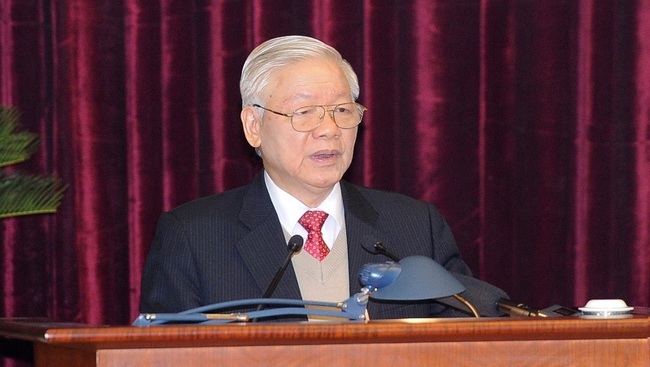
[(330, 111)]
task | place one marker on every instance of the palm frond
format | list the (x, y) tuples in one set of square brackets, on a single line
[(15, 146), (22, 194)]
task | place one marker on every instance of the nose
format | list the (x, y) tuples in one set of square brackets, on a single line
[(328, 125)]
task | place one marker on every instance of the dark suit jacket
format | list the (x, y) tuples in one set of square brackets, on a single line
[(229, 246)]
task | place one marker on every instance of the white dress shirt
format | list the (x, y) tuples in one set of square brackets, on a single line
[(290, 209)]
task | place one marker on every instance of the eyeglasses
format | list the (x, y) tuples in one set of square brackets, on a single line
[(305, 119)]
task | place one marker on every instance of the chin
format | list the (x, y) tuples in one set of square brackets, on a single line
[(326, 181)]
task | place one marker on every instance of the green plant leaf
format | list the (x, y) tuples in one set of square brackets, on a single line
[(22, 194), (15, 146)]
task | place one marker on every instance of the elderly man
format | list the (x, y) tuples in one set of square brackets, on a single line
[(300, 114)]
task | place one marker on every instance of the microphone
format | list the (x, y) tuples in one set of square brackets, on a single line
[(518, 309), (293, 246), (375, 247)]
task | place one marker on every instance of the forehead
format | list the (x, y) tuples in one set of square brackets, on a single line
[(311, 78)]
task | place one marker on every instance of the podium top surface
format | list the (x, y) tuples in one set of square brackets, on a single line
[(378, 331)]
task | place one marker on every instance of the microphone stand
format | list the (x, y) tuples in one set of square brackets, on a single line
[(294, 246)]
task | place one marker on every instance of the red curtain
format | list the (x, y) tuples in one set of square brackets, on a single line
[(526, 122)]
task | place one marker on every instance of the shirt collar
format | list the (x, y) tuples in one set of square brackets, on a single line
[(290, 209)]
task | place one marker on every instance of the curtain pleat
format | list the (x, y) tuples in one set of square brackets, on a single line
[(640, 106), (611, 153), (526, 123), (26, 242), (379, 135), (143, 104), (225, 160), (88, 83)]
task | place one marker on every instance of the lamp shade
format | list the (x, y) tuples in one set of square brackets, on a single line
[(411, 279)]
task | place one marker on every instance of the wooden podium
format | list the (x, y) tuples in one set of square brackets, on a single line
[(423, 342)]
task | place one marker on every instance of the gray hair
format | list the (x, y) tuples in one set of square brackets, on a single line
[(283, 51)]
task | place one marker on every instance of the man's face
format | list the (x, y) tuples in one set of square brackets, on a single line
[(305, 164)]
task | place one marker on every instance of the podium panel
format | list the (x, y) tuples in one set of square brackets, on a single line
[(461, 342)]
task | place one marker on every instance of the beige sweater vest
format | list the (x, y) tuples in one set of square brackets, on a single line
[(327, 280)]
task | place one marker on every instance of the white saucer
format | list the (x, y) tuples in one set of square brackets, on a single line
[(605, 310), (605, 307)]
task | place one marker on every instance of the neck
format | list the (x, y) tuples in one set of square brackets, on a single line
[(311, 198)]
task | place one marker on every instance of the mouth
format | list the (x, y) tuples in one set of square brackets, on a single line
[(325, 155)]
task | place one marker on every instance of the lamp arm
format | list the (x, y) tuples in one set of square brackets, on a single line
[(468, 304), (353, 309), (254, 302)]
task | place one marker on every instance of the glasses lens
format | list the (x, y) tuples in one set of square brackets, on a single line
[(307, 118), (347, 115)]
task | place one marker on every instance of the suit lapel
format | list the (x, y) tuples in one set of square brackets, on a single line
[(264, 249), (360, 220)]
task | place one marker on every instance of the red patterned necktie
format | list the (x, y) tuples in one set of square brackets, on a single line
[(313, 221)]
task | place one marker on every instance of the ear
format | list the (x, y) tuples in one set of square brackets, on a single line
[(251, 126)]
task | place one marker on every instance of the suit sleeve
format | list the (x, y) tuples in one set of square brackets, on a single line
[(479, 293), (445, 250), (169, 280)]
